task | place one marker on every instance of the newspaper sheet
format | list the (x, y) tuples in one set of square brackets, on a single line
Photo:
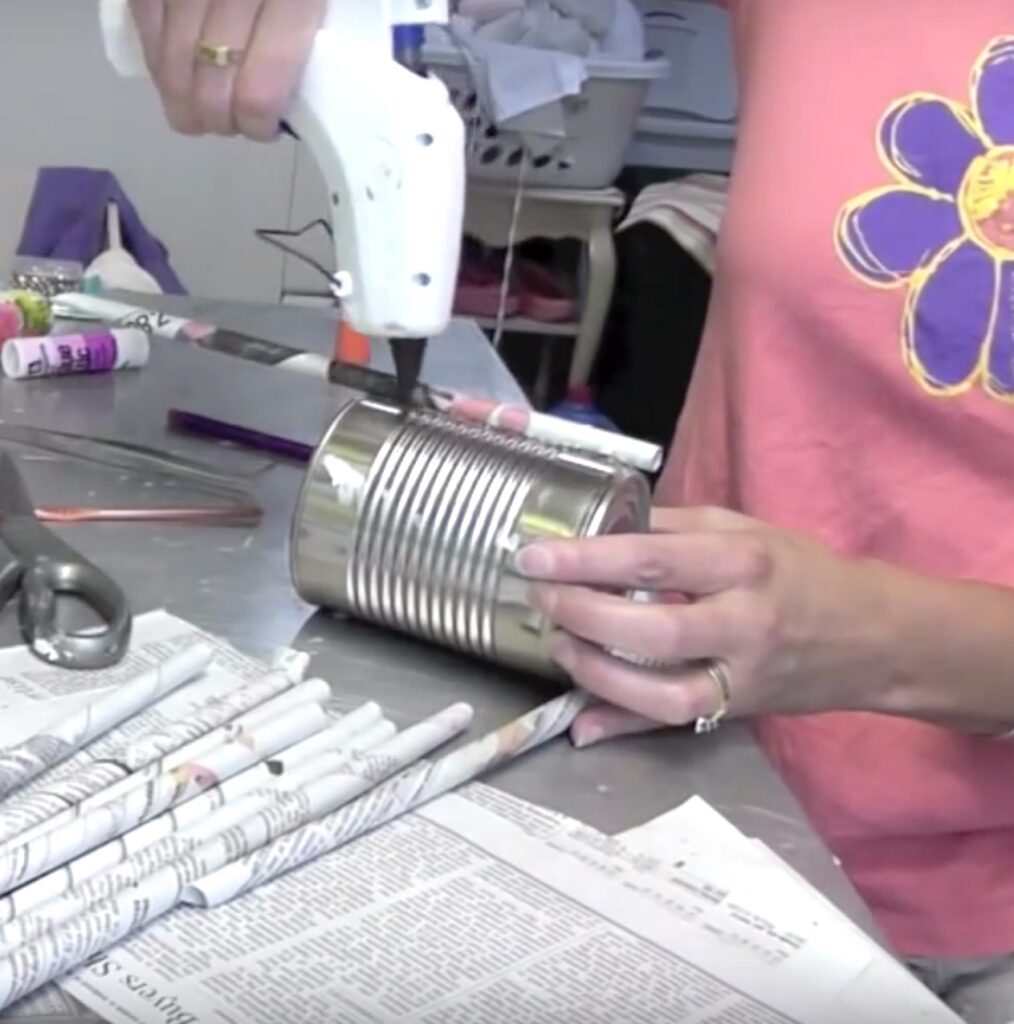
[(33, 694), (50, 1006), (695, 830), (25, 679), (481, 908)]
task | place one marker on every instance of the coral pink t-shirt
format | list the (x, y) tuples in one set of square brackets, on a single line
[(856, 381)]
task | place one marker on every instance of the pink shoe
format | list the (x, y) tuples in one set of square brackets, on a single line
[(543, 296), (478, 293)]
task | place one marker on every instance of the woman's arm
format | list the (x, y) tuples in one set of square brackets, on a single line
[(796, 628), (951, 651)]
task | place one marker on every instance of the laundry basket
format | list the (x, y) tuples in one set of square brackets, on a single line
[(600, 124)]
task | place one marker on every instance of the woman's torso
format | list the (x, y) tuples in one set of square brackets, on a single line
[(857, 381)]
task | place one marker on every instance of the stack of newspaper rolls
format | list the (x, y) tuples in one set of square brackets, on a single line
[(200, 810)]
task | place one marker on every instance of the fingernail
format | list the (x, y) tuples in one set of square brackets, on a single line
[(586, 735), (533, 560)]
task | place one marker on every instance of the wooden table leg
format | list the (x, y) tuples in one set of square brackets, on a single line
[(601, 280)]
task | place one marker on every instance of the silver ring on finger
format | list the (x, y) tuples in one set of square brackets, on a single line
[(718, 672)]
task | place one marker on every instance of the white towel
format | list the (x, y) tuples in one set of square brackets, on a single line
[(525, 64), (483, 11), (690, 210)]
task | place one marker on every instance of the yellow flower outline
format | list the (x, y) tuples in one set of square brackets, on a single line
[(908, 179)]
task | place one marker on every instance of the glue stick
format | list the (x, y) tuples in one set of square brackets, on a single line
[(60, 354)]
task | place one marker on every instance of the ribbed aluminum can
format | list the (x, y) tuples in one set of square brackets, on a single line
[(410, 520)]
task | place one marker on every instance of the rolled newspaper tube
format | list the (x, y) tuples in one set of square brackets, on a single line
[(216, 712), (413, 788), (23, 863), (294, 663), (314, 691), (343, 734), (24, 762), (643, 455), (109, 921), (20, 813), (365, 719), (143, 862)]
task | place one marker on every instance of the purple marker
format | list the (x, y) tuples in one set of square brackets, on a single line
[(205, 426), (61, 354)]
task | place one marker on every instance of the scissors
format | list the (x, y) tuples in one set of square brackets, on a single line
[(44, 567)]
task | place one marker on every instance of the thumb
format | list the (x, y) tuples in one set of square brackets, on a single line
[(605, 722)]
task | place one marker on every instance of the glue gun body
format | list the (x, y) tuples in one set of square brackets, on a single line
[(391, 149)]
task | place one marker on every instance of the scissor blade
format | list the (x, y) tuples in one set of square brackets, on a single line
[(15, 501)]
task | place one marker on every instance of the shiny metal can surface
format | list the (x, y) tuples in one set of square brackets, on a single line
[(410, 520)]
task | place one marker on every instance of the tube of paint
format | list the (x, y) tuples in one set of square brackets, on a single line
[(61, 354)]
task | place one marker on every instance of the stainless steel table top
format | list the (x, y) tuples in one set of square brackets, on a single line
[(235, 582)]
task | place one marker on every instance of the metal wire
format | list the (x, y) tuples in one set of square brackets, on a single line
[(279, 239)]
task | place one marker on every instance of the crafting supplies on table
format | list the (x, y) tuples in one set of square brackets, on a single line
[(369, 879), (24, 314), (29, 349), (61, 355), (266, 834), (356, 376)]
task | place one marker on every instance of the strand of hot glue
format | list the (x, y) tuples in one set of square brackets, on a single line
[(297, 826)]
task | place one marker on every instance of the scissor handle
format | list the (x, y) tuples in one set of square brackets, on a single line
[(42, 583)]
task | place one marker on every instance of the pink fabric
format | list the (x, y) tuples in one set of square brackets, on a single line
[(856, 380)]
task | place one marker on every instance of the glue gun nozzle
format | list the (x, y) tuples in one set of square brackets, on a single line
[(408, 355)]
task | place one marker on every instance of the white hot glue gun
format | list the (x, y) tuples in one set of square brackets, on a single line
[(391, 149)]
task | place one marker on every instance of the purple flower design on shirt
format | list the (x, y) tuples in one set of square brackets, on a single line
[(945, 229)]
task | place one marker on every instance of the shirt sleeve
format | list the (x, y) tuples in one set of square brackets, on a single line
[(119, 35)]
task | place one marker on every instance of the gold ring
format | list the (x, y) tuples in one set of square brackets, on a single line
[(219, 56), (718, 673)]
